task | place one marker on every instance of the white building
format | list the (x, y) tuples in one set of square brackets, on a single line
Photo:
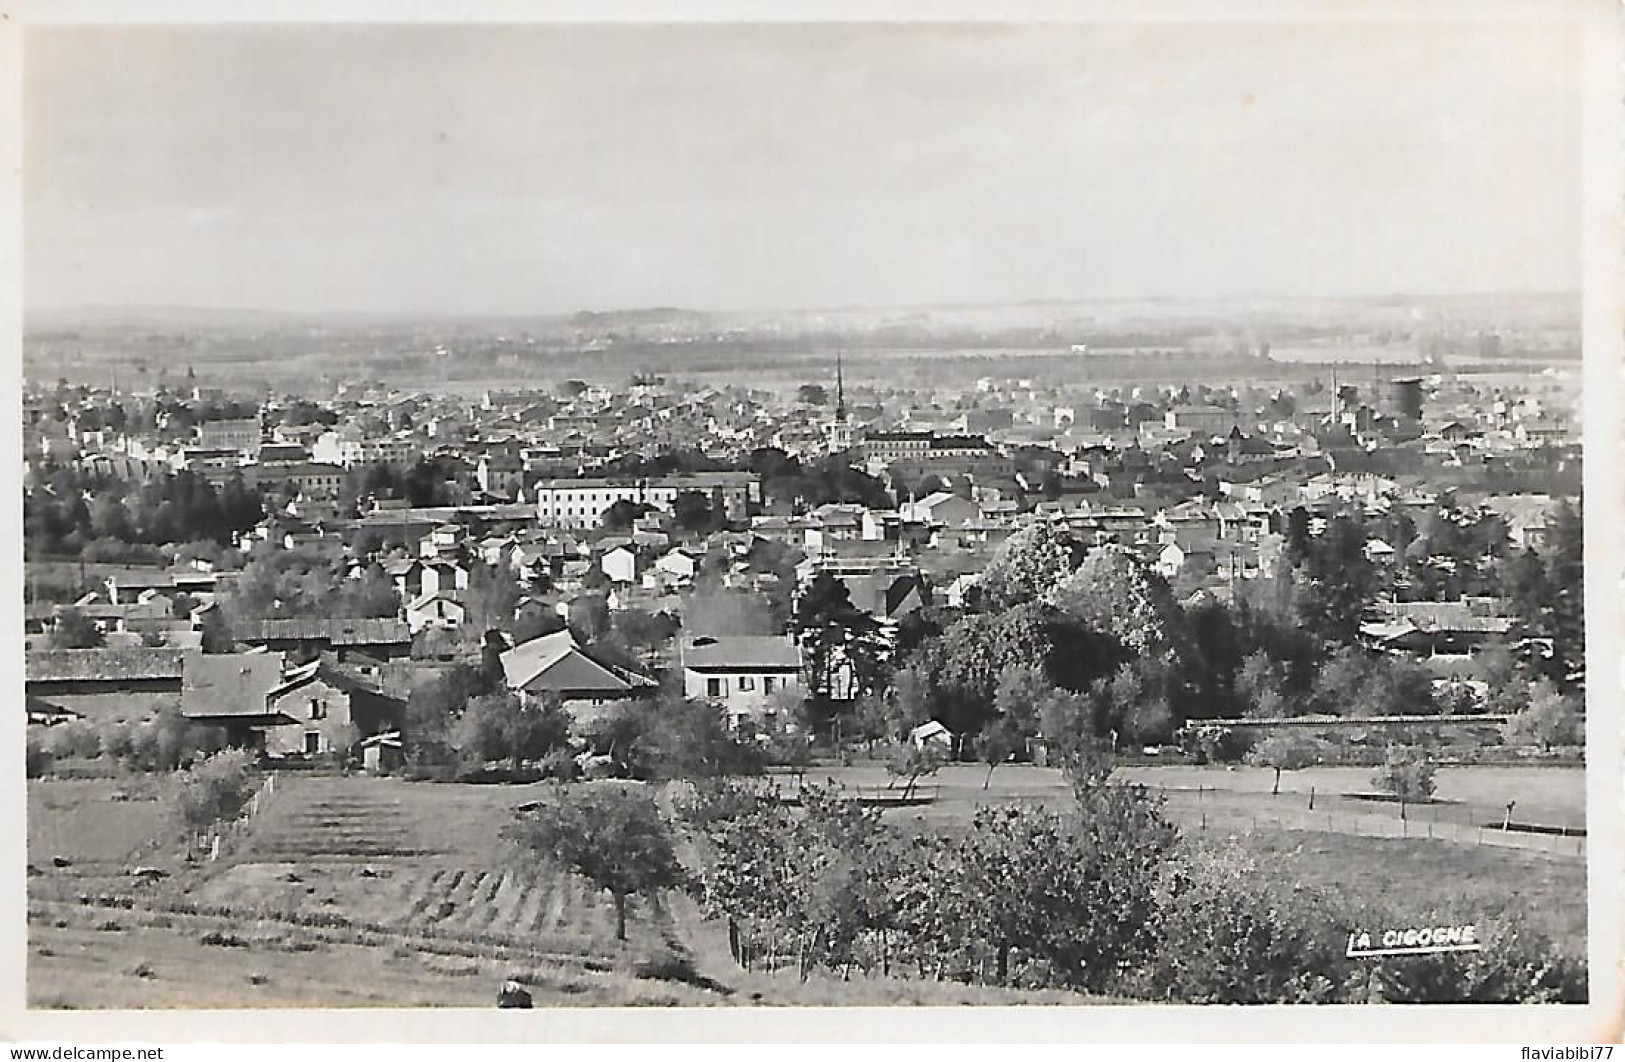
[(743, 674)]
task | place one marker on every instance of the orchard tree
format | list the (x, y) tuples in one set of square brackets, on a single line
[(612, 835), (1016, 702), (499, 726), (1407, 774), (1549, 718), (1282, 751), (910, 761), (216, 789)]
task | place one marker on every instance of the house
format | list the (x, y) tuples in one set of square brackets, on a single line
[(619, 564), (1434, 628), (407, 575), (932, 734), (444, 576), (833, 523), (889, 593), (445, 539), (741, 673), (309, 636), (129, 586), (231, 691), (330, 708), (439, 611), (679, 564), (943, 509), (554, 665)]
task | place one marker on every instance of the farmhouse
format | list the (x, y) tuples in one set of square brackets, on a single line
[(231, 691), (555, 665), (332, 707), (944, 509), (741, 673), (442, 611)]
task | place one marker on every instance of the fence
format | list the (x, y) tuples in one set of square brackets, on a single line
[(222, 837), (892, 795), (1221, 816)]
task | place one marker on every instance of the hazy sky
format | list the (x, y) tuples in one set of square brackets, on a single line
[(542, 169)]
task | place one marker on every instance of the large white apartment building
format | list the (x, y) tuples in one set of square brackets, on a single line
[(583, 502)]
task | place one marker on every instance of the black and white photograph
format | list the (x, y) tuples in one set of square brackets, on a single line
[(955, 511)]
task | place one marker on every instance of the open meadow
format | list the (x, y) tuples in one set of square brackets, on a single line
[(1477, 796)]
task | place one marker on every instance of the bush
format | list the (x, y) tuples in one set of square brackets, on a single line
[(1207, 743), (77, 739), (1515, 966), (217, 789), (168, 741), (430, 761), (1406, 773), (559, 765), (37, 758), (1229, 933), (118, 740)]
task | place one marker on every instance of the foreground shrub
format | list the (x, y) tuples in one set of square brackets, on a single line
[(37, 758), (1226, 932), (1516, 965), (216, 789)]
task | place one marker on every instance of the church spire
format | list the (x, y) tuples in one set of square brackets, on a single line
[(840, 390)]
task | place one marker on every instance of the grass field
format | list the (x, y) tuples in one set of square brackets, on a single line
[(1465, 882), (1552, 796), (358, 891), (100, 821)]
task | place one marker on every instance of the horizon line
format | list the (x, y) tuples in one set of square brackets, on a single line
[(161, 308)]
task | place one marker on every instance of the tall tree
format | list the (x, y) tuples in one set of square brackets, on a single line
[(844, 653), (1026, 567), (614, 837)]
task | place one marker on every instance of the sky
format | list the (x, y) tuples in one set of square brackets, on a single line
[(546, 169)]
